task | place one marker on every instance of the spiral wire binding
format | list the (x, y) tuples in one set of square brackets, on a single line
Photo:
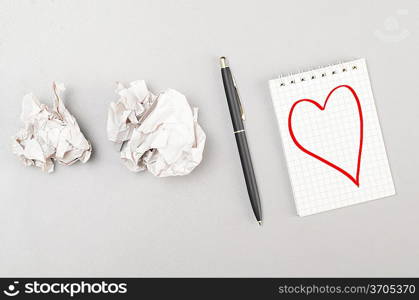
[(340, 66)]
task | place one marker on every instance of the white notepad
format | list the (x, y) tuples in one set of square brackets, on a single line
[(331, 137)]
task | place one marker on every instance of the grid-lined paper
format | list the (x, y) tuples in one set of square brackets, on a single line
[(332, 134)]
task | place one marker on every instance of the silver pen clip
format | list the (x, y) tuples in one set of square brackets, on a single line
[(238, 99)]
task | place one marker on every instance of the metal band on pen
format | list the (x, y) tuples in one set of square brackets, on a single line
[(238, 131)]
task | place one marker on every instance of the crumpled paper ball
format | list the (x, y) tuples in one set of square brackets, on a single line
[(158, 133), (49, 134)]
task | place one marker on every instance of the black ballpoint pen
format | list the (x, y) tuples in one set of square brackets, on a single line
[(237, 117)]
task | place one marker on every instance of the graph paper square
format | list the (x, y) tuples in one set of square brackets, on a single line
[(331, 137)]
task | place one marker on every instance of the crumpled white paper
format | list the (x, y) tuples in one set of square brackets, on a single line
[(49, 134), (158, 133)]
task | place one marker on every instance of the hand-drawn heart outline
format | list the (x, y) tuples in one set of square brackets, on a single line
[(322, 108)]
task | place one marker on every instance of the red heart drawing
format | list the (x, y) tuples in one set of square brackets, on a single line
[(322, 108)]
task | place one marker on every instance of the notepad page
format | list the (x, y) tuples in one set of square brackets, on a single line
[(331, 137)]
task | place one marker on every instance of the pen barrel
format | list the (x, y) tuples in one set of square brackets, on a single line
[(232, 101), (249, 175), (241, 140)]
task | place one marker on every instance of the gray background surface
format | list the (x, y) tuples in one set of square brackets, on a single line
[(98, 219)]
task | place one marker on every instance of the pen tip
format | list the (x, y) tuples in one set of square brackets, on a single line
[(223, 61), (260, 223)]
